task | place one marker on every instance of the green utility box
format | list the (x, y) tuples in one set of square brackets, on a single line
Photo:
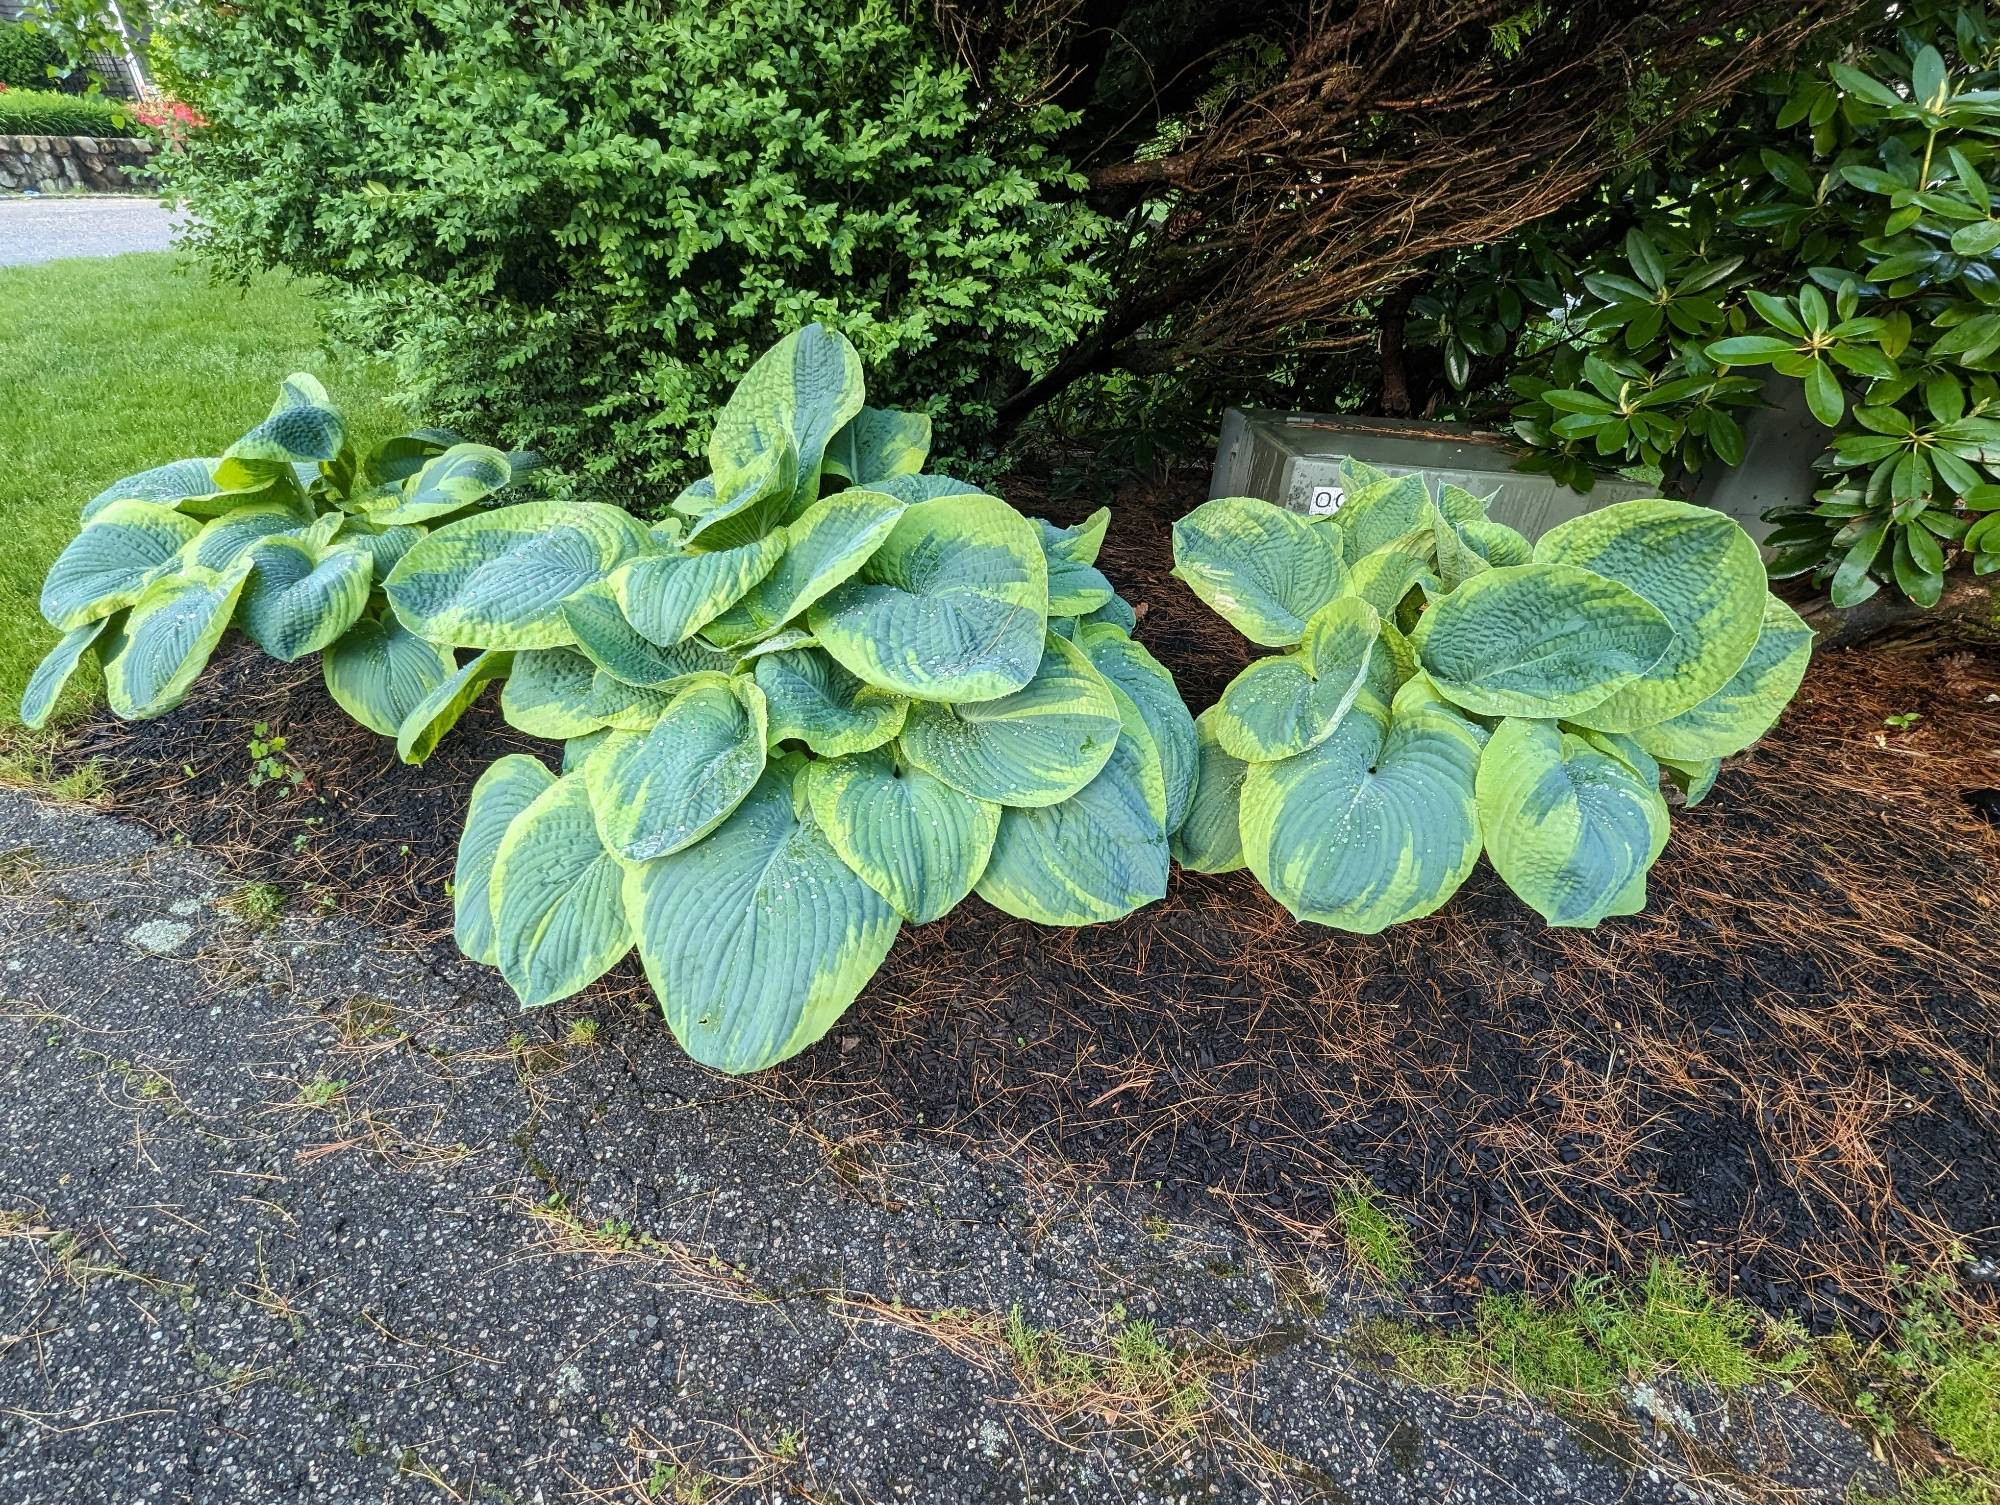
[(1293, 459)]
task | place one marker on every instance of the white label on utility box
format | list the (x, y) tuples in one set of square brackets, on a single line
[(1325, 501)]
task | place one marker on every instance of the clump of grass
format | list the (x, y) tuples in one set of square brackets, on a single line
[(1377, 1238), (27, 761), (1142, 1376), (582, 1032), (257, 904), (1580, 1349), (1941, 1373)]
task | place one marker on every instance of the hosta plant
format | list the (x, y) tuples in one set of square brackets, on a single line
[(831, 694), (1447, 688), (288, 535)]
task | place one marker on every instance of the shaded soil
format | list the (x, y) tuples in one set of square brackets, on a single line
[(1786, 1070)]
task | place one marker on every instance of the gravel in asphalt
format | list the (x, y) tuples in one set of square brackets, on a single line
[(48, 227), (301, 1212)]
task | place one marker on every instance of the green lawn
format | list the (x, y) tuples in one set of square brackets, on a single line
[(110, 366)]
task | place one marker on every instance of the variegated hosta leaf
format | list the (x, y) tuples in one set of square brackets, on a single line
[(777, 642), (915, 840), (110, 563), (757, 939), (1283, 705), (1457, 560), (379, 671), (878, 443), (1571, 829), (509, 785), (1076, 587), (1210, 840), (1117, 612), (670, 597), (1137, 673), (1543, 640), (383, 546), (1460, 506), (813, 700), (45, 685), (756, 503), (660, 790), (1263, 569), (548, 693), (499, 579), (632, 708), (298, 601), (1384, 577), (618, 648), (557, 898), (230, 537), (1374, 826), (830, 541), (1699, 569), (950, 607), (1037, 746), (461, 477), (304, 427), (803, 390), (1380, 512), (1096, 856), (927, 487), (1496, 543), (1693, 779), (438, 712), (1749, 705), (395, 460), (170, 485), (158, 651), (577, 750)]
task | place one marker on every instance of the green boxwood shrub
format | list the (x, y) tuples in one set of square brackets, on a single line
[(577, 222), (26, 56), (43, 112)]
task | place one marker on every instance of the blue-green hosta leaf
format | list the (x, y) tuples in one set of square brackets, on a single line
[(1749, 705), (617, 647), (463, 476), (1117, 612), (1570, 828), (1383, 578), (577, 750), (383, 546), (813, 700), (304, 427), (45, 685), (830, 541), (1076, 587), (950, 607), (438, 712), (1096, 856), (1545, 640), (670, 597), (1380, 512), (878, 443), (631, 708), (1694, 779), (557, 897), (1283, 705), (1138, 674), (1460, 506), (1699, 569), (1210, 840), (548, 694), (803, 391), (1496, 543), (298, 601), (1037, 746), (508, 787), (1374, 826), (396, 459), (757, 939), (660, 790), (379, 671), (927, 487), (1263, 569), (230, 537), (915, 840), (499, 579), (758, 498), (171, 485), (1457, 560), (778, 642), (160, 649), (108, 565)]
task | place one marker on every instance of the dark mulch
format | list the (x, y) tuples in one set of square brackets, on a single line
[(1786, 1070)]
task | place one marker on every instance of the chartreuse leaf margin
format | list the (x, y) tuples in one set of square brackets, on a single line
[(1448, 689)]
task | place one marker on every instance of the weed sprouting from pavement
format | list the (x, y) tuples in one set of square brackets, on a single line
[(1141, 1373), (257, 905), (28, 761)]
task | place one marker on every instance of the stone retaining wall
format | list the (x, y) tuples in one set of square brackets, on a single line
[(73, 164)]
